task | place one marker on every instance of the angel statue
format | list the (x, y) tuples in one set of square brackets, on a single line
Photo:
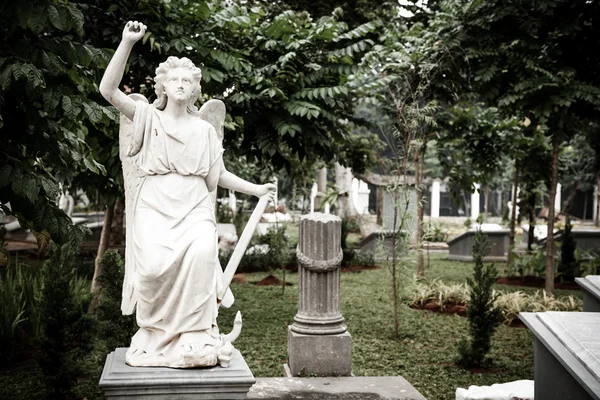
[(172, 157)]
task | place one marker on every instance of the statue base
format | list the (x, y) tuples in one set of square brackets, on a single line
[(119, 381)]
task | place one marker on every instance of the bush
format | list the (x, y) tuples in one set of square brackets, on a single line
[(20, 294), (434, 233), (66, 326), (468, 223), (483, 315), (568, 261), (114, 328)]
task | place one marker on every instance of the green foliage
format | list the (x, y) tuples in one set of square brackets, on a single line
[(568, 261), (468, 223), (483, 315), (67, 329), (115, 329), (20, 296), (277, 241), (433, 232), (47, 80)]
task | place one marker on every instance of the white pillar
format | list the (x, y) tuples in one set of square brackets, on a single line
[(557, 198), (475, 202), (435, 199), (313, 195)]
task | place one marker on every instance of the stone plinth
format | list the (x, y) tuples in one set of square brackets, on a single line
[(590, 286), (318, 342), (120, 381), (567, 354)]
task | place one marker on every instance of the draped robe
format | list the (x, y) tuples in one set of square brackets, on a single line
[(177, 274)]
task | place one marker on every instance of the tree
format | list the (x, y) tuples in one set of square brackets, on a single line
[(557, 91), (46, 74), (483, 315)]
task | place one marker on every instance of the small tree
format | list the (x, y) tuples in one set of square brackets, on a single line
[(114, 328), (66, 326), (483, 316), (568, 261)]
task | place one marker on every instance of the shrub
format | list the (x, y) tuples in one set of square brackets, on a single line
[(434, 233), (114, 328), (509, 303), (67, 329), (568, 262), (468, 223), (20, 294), (483, 316)]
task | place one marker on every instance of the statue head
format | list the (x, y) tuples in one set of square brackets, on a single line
[(162, 72)]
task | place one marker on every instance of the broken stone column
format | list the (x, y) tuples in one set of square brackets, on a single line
[(318, 341)]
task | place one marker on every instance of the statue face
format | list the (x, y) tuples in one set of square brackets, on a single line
[(179, 85)]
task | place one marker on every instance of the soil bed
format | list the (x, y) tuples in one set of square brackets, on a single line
[(535, 281), (457, 309)]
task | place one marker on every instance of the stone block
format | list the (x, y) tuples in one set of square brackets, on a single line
[(321, 355), (341, 388), (120, 381)]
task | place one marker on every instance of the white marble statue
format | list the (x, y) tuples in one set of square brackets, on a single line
[(172, 163)]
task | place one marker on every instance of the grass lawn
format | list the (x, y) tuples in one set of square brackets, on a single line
[(423, 353)]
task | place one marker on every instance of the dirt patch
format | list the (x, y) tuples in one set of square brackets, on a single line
[(271, 281), (358, 268), (239, 278), (434, 306), (535, 281)]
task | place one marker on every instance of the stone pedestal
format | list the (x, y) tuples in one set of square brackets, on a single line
[(318, 342), (120, 381)]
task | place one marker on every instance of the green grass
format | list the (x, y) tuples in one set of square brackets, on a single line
[(423, 353)]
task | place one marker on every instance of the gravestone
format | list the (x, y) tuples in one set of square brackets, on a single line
[(590, 286), (318, 341), (567, 354), (460, 248)]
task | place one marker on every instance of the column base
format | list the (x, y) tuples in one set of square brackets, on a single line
[(319, 355)]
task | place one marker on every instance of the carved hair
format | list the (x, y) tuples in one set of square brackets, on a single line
[(161, 74)]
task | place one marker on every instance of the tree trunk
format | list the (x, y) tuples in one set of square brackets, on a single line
[(550, 239), (597, 201), (419, 190), (380, 193), (102, 246), (513, 217), (395, 268), (117, 235), (531, 233)]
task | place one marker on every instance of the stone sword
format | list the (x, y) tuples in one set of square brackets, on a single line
[(240, 248)]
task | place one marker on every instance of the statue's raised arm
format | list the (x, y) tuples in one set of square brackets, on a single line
[(109, 86)]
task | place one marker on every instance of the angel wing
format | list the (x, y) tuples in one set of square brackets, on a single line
[(214, 111), (132, 178)]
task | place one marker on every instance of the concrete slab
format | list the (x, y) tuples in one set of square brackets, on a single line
[(343, 388), (567, 354), (590, 286)]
